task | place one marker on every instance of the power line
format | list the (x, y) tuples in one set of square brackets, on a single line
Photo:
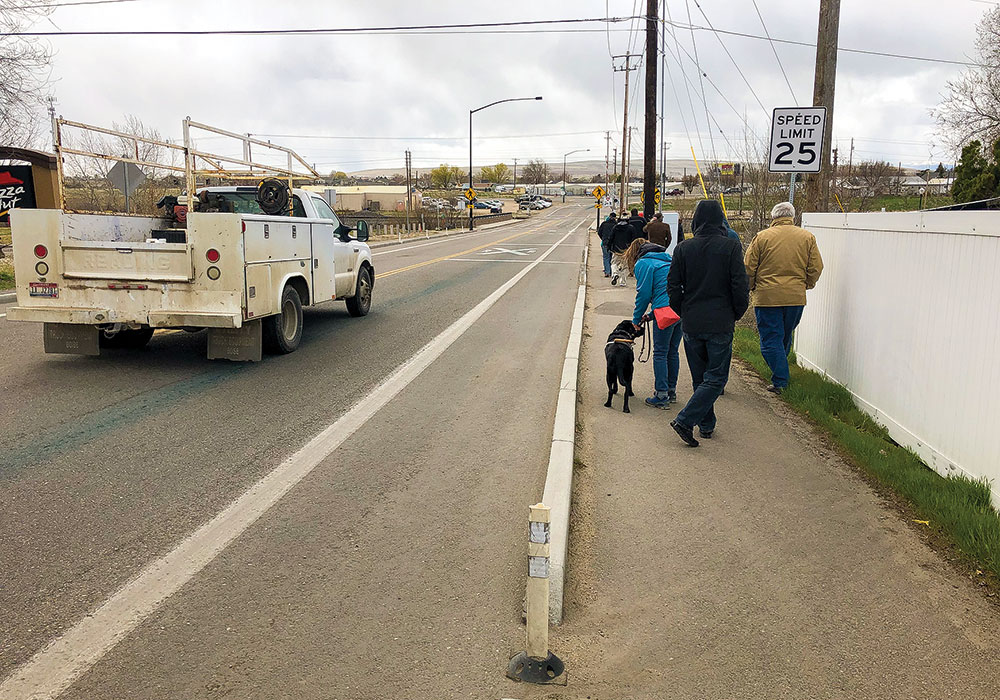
[(424, 138), (867, 52), (69, 4), (776, 57), (322, 30), (736, 65), (701, 82)]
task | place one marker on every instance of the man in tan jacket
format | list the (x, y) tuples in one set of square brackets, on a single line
[(782, 262)]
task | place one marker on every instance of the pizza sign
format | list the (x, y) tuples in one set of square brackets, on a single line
[(16, 189)]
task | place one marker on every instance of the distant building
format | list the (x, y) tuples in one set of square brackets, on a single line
[(373, 197)]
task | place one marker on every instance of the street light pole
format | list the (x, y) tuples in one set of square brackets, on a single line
[(579, 150), (471, 112)]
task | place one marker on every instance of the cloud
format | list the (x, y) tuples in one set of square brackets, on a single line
[(424, 85)]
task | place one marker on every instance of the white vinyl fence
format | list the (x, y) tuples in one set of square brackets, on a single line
[(907, 316)]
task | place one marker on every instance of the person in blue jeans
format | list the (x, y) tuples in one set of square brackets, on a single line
[(782, 262), (650, 263), (707, 287), (604, 232)]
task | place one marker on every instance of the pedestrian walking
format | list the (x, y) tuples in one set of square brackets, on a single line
[(782, 262), (621, 239), (650, 263), (707, 287), (656, 231), (604, 232), (638, 224)]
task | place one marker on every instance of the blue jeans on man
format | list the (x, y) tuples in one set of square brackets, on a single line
[(607, 259), (776, 325), (708, 356), (666, 359)]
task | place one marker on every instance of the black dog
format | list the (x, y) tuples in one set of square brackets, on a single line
[(621, 360)]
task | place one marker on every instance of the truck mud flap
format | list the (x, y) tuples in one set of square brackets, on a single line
[(70, 339), (239, 344)]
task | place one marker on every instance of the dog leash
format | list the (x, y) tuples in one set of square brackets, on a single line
[(643, 349)]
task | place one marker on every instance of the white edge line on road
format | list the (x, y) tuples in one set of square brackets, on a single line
[(67, 657), (505, 260), (558, 491), (439, 239)]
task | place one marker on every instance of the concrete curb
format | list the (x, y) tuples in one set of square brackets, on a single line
[(559, 477), (7, 296)]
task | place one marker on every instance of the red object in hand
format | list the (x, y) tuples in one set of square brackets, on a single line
[(665, 317)]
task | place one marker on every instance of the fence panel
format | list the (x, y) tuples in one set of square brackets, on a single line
[(907, 316)]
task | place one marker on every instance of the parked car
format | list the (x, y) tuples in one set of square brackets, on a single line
[(677, 191)]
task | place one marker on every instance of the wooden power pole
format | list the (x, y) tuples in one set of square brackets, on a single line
[(824, 88), (649, 143), (627, 67)]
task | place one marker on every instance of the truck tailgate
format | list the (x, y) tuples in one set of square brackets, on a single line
[(153, 262)]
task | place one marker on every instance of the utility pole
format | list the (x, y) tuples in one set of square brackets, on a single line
[(663, 134), (850, 160), (614, 169), (607, 155), (649, 142), (408, 192), (515, 173), (628, 68), (824, 88)]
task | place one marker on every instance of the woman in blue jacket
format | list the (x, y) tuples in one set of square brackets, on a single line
[(650, 264)]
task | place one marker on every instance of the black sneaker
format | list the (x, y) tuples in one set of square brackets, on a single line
[(775, 390), (686, 434), (705, 434)]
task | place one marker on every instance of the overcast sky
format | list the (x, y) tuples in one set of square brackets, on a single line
[(391, 92)]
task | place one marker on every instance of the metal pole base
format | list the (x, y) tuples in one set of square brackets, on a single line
[(547, 671)]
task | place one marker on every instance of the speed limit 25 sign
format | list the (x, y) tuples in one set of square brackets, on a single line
[(797, 139)]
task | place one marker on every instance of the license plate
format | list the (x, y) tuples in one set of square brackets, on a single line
[(43, 289)]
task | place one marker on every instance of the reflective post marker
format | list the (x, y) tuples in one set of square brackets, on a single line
[(537, 664)]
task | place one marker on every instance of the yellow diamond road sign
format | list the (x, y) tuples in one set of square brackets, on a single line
[(656, 196), (598, 192), (470, 194)]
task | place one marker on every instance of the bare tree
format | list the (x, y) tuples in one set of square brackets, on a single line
[(971, 108), (24, 72), (88, 187), (871, 179), (536, 172)]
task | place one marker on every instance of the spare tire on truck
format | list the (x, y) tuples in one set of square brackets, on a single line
[(282, 332)]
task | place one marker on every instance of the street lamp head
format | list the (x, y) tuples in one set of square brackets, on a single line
[(539, 97)]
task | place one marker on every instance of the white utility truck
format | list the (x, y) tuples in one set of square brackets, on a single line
[(217, 261)]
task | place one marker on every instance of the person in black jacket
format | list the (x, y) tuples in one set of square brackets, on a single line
[(638, 224), (621, 239), (604, 232), (709, 290)]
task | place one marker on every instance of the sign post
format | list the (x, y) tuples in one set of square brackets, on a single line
[(598, 193), (796, 142)]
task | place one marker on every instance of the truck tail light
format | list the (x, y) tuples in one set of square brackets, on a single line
[(212, 255), (214, 273), (41, 251)]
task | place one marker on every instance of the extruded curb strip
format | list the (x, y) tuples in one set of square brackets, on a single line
[(559, 478), (4, 298)]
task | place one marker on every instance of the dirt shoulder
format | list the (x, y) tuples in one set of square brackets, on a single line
[(756, 566)]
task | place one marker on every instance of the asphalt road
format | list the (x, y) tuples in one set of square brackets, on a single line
[(393, 569)]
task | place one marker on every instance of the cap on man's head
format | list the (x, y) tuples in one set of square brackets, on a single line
[(612, 215), (658, 215), (783, 210)]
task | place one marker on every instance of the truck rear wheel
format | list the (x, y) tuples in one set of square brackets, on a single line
[(129, 338), (283, 331), (361, 302)]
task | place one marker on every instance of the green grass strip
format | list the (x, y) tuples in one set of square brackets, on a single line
[(957, 507)]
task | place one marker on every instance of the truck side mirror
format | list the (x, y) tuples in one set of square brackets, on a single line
[(362, 229)]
